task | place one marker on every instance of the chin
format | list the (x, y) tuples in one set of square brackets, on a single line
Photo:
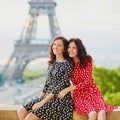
[(55, 52), (71, 56)]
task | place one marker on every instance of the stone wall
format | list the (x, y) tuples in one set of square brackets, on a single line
[(9, 112)]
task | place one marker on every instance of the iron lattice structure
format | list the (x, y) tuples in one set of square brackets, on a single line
[(28, 48)]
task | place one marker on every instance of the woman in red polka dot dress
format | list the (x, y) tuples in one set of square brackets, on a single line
[(87, 99)]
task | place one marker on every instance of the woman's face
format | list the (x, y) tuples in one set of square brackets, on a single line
[(58, 47), (72, 50)]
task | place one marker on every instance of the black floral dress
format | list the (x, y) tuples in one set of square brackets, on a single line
[(56, 80)]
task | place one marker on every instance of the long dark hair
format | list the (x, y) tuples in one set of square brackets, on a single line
[(52, 56), (82, 53)]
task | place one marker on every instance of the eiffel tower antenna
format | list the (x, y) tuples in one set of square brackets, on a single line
[(28, 48)]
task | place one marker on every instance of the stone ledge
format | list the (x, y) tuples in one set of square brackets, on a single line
[(115, 115), (9, 112), (9, 107), (8, 115)]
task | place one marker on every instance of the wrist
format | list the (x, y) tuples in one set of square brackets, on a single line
[(42, 94), (72, 87), (44, 100)]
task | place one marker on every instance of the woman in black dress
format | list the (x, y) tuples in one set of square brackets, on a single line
[(48, 106)]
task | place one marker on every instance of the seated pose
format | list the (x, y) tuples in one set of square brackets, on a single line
[(87, 99), (48, 106)]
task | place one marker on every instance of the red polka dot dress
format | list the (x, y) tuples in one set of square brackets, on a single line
[(86, 96)]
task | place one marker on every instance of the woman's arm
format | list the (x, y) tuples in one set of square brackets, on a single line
[(42, 94), (87, 79), (63, 92), (55, 89), (42, 102)]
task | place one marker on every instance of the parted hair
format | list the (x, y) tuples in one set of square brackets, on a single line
[(52, 56), (82, 53)]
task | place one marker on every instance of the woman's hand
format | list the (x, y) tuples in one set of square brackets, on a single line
[(62, 93), (38, 105), (42, 94)]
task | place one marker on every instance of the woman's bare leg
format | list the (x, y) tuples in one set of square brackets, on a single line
[(22, 113), (92, 115), (31, 116), (102, 115)]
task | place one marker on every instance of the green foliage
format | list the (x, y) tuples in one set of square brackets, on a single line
[(112, 98), (29, 75), (108, 82)]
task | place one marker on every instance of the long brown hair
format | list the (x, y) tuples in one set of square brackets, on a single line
[(82, 53), (52, 56)]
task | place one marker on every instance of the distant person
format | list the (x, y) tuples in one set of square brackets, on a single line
[(48, 106), (87, 99)]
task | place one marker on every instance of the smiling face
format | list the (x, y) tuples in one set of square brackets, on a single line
[(58, 47), (72, 50)]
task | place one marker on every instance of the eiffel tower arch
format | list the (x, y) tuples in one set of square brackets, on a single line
[(28, 47)]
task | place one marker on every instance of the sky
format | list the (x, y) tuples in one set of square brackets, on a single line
[(96, 22)]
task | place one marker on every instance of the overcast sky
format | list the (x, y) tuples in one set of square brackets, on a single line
[(96, 22)]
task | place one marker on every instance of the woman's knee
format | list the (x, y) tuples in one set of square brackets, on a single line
[(102, 113), (92, 114), (31, 116), (22, 111)]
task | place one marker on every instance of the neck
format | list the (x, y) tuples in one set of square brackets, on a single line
[(76, 59), (60, 58)]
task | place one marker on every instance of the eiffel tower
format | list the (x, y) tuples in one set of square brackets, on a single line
[(28, 47)]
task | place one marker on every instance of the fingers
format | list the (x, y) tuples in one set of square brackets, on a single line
[(60, 95), (37, 106), (34, 107)]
